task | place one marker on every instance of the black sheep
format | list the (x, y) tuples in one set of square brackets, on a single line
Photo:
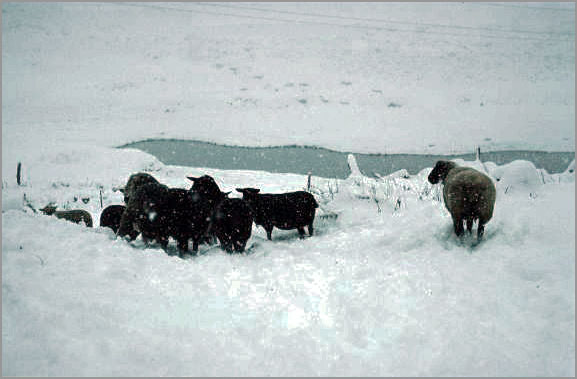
[(111, 215), (231, 219), (135, 181), (206, 188), (292, 210), (232, 224), (146, 213), (188, 218), (469, 195), (159, 212)]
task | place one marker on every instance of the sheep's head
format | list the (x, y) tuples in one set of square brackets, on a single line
[(247, 193), (134, 182), (205, 186), (440, 171), (49, 209)]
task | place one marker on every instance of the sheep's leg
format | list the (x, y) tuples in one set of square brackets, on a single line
[(458, 226), (146, 238), (195, 245), (480, 231), (268, 229), (239, 246), (133, 234), (470, 225), (125, 227), (163, 241), (310, 227), (183, 246), (301, 231), (228, 247)]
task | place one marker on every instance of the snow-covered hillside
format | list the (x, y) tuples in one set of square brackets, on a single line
[(385, 289), (360, 77)]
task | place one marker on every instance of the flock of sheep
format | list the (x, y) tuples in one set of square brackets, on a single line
[(204, 212)]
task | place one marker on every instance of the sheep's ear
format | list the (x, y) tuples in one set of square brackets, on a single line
[(121, 190), (192, 178), (253, 190), (241, 190)]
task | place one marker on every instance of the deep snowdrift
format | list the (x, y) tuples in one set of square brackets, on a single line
[(389, 293)]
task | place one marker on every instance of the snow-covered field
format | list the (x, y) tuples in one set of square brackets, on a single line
[(360, 77), (383, 290)]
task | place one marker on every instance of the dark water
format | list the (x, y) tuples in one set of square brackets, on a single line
[(322, 162)]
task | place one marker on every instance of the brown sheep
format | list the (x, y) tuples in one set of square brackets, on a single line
[(469, 195), (75, 215)]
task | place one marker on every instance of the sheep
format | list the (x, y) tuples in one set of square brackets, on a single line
[(230, 219), (469, 195), (293, 210), (145, 213), (110, 217), (188, 218), (74, 215), (206, 188), (231, 223), (159, 212), (135, 181)]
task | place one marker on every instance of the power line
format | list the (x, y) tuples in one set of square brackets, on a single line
[(351, 26), (385, 21)]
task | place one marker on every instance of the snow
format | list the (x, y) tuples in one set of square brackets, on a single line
[(389, 293), (338, 76), (384, 289)]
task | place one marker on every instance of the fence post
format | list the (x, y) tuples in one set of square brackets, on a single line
[(19, 173)]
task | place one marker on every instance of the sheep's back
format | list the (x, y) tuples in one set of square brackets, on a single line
[(111, 216), (75, 215), (293, 208), (468, 191)]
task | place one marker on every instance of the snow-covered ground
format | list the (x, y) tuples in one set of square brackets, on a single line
[(389, 293), (385, 289)]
